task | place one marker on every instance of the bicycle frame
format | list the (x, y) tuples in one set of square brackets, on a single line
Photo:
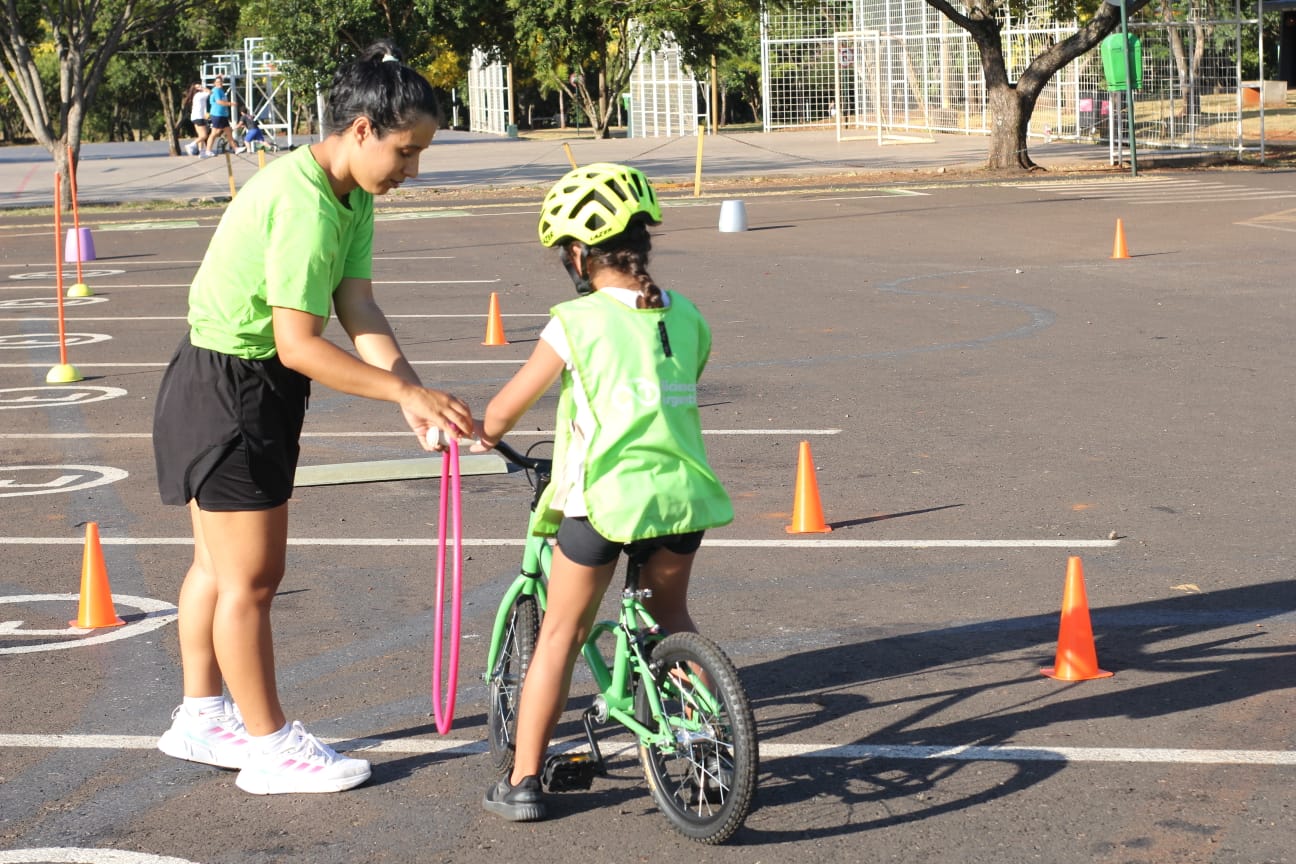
[(632, 631), (679, 694)]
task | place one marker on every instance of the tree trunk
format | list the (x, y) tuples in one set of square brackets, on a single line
[(1012, 103), (1008, 126), (173, 118)]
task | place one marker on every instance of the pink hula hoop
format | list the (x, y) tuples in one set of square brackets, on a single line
[(444, 713)]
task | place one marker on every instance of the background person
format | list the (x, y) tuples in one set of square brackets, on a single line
[(196, 101), (630, 469), (220, 105), (295, 242), (253, 134)]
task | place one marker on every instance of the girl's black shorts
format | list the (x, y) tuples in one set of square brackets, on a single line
[(585, 546), (226, 431)]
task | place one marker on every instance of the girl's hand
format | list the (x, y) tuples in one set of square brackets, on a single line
[(478, 445)]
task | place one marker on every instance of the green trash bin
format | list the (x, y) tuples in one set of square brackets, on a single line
[(629, 117), (1113, 61)]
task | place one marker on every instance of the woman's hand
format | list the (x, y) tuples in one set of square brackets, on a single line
[(429, 412)]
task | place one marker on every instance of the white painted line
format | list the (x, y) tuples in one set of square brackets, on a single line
[(768, 750), (521, 541), (420, 315), (1270, 227), (538, 433), (74, 436), (824, 543), (150, 263), (81, 365), (80, 318), (162, 364), (118, 286), (439, 282)]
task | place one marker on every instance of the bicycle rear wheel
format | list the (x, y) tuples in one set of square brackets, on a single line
[(706, 781), (506, 678)]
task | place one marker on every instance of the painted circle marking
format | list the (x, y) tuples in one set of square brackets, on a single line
[(49, 340), (45, 303), (49, 274), (67, 855), (63, 394), (157, 613), (58, 478)]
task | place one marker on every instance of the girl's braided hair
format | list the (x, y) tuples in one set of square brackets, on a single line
[(628, 252)]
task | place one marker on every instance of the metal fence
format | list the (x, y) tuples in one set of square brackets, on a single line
[(488, 95), (899, 70), (663, 96)]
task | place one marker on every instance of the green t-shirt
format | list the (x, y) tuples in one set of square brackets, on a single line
[(285, 240)]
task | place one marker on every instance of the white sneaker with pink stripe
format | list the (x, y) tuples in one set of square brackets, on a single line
[(213, 739), (303, 763)]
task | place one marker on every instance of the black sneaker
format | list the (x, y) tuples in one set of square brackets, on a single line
[(521, 803)]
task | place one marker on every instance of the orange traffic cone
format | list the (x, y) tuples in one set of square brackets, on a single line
[(807, 513), (1076, 659), (1118, 249), (96, 609), (494, 324)]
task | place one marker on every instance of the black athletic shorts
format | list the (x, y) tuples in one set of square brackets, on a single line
[(582, 544), (226, 431)]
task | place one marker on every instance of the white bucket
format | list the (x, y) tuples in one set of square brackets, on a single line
[(733, 216)]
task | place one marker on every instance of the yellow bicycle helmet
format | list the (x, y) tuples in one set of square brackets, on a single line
[(598, 201)]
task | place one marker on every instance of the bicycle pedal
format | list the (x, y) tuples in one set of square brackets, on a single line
[(565, 772)]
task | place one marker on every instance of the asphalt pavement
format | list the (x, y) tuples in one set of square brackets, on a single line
[(987, 394), (144, 171)]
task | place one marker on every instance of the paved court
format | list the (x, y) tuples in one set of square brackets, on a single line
[(985, 393), (463, 161)]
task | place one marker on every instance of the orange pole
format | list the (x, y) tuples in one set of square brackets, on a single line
[(76, 214), (58, 263)]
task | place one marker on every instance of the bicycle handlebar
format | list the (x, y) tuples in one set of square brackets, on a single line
[(521, 460), (540, 468)]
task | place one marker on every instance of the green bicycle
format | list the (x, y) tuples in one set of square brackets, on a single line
[(678, 694)]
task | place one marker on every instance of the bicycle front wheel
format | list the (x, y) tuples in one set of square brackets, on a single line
[(506, 678), (705, 780)]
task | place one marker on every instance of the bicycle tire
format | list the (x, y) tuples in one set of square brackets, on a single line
[(516, 651), (688, 783)]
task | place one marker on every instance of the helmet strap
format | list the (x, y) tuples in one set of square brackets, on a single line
[(579, 275)]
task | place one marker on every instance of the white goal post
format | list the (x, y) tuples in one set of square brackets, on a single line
[(875, 84)]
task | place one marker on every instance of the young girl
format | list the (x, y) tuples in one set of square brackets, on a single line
[(295, 243), (630, 468)]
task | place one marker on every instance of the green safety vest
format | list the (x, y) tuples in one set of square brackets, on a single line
[(646, 471)]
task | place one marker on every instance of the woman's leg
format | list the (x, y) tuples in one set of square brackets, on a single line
[(202, 676), (573, 600), (238, 564)]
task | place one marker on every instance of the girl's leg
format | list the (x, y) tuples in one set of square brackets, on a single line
[(241, 560), (667, 574), (573, 601)]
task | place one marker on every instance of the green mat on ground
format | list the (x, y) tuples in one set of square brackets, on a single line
[(418, 468)]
